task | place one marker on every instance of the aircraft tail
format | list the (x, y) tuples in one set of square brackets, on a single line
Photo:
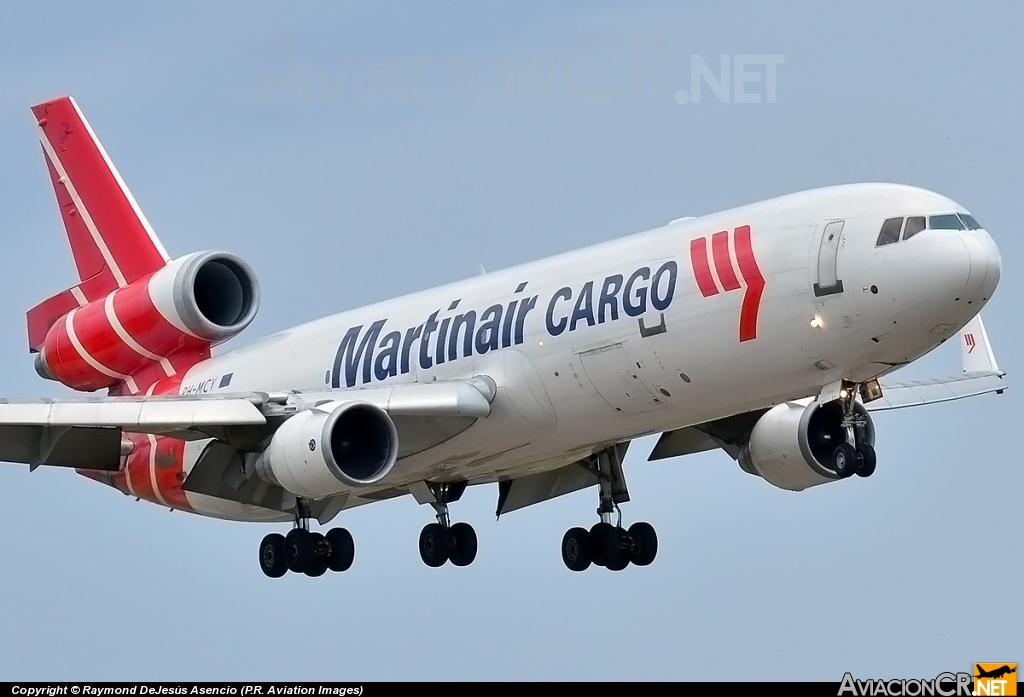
[(111, 240)]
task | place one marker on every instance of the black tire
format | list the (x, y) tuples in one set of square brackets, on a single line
[(342, 549), (299, 550), (844, 460), (619, 564), (318, 564), (272, 556), (435, 545), (645, 543), (605, 544), (464, 544), (576, 549), (866, 460)]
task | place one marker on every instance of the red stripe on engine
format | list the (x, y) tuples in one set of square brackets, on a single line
[(138, 315), (723, 261), (754, 280), (701, 269)]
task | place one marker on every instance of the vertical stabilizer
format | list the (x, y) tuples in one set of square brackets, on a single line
[(111, 240)]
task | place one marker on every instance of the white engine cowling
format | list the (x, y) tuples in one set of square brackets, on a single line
[(334, 447), (211, 295), (792, 445)]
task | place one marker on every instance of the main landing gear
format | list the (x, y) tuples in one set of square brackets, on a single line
[(605, 544), (856, 455), (442, 542), (306, 552)]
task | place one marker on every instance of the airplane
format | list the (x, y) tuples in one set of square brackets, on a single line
[(996, 672), (763, 331)]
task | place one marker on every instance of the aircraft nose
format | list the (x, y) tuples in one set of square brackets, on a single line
[(985, 264)]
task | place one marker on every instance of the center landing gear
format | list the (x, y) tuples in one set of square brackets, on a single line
[(442, 542), (605, 544), (306, 552), (856, 455)]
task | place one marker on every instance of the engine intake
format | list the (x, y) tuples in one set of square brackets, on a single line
[(335, 447), (793, 444), (214, 295)]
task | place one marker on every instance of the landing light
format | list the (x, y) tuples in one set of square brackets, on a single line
[(816, 322)]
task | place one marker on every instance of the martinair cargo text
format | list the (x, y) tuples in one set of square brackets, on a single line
[(762, 331)]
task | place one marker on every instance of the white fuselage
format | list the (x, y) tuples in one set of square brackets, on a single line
[(584, 357)]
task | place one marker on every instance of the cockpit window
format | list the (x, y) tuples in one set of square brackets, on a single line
[(890, 231), (950, 221), (915, 224), (969, 221)]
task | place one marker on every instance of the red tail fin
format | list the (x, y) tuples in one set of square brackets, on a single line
[(111, 240)]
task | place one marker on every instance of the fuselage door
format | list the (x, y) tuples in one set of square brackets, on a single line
[(828, 253)]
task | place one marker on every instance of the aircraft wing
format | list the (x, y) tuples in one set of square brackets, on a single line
[(980, 375), (87, 434)]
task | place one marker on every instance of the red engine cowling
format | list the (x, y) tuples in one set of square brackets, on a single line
[(193, 302)]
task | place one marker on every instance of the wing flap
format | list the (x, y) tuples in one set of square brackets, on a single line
[(96, 448)]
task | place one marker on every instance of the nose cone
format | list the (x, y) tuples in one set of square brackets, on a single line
[(985, 265)]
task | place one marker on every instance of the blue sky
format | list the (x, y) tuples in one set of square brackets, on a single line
[(352, 152)]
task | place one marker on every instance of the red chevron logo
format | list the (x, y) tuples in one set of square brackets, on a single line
[(971, 344), (722, 257)]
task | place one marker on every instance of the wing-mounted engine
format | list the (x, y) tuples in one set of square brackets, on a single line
[(331, 448), (795, 445), (193, 302)]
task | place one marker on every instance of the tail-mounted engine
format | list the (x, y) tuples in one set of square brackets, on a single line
[(334, 447), (794, 446), (193, 302)]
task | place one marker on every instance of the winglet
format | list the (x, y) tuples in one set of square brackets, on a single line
[(975, 349)]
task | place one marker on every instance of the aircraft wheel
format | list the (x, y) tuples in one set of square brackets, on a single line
[(645, 543), (866, 460), (272, 556), (621, 560), (435, 545), (576, 549), (605, 544), (342, 549), (299, 550), (464, 545), (844, 460), (318, 564)]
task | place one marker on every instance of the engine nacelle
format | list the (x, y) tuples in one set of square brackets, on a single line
[(191, 303), (335, 447), (792, 445)]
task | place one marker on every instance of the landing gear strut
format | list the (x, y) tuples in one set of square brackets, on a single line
[(442, 542), (855, 455), (306, 552), (606, 544)]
